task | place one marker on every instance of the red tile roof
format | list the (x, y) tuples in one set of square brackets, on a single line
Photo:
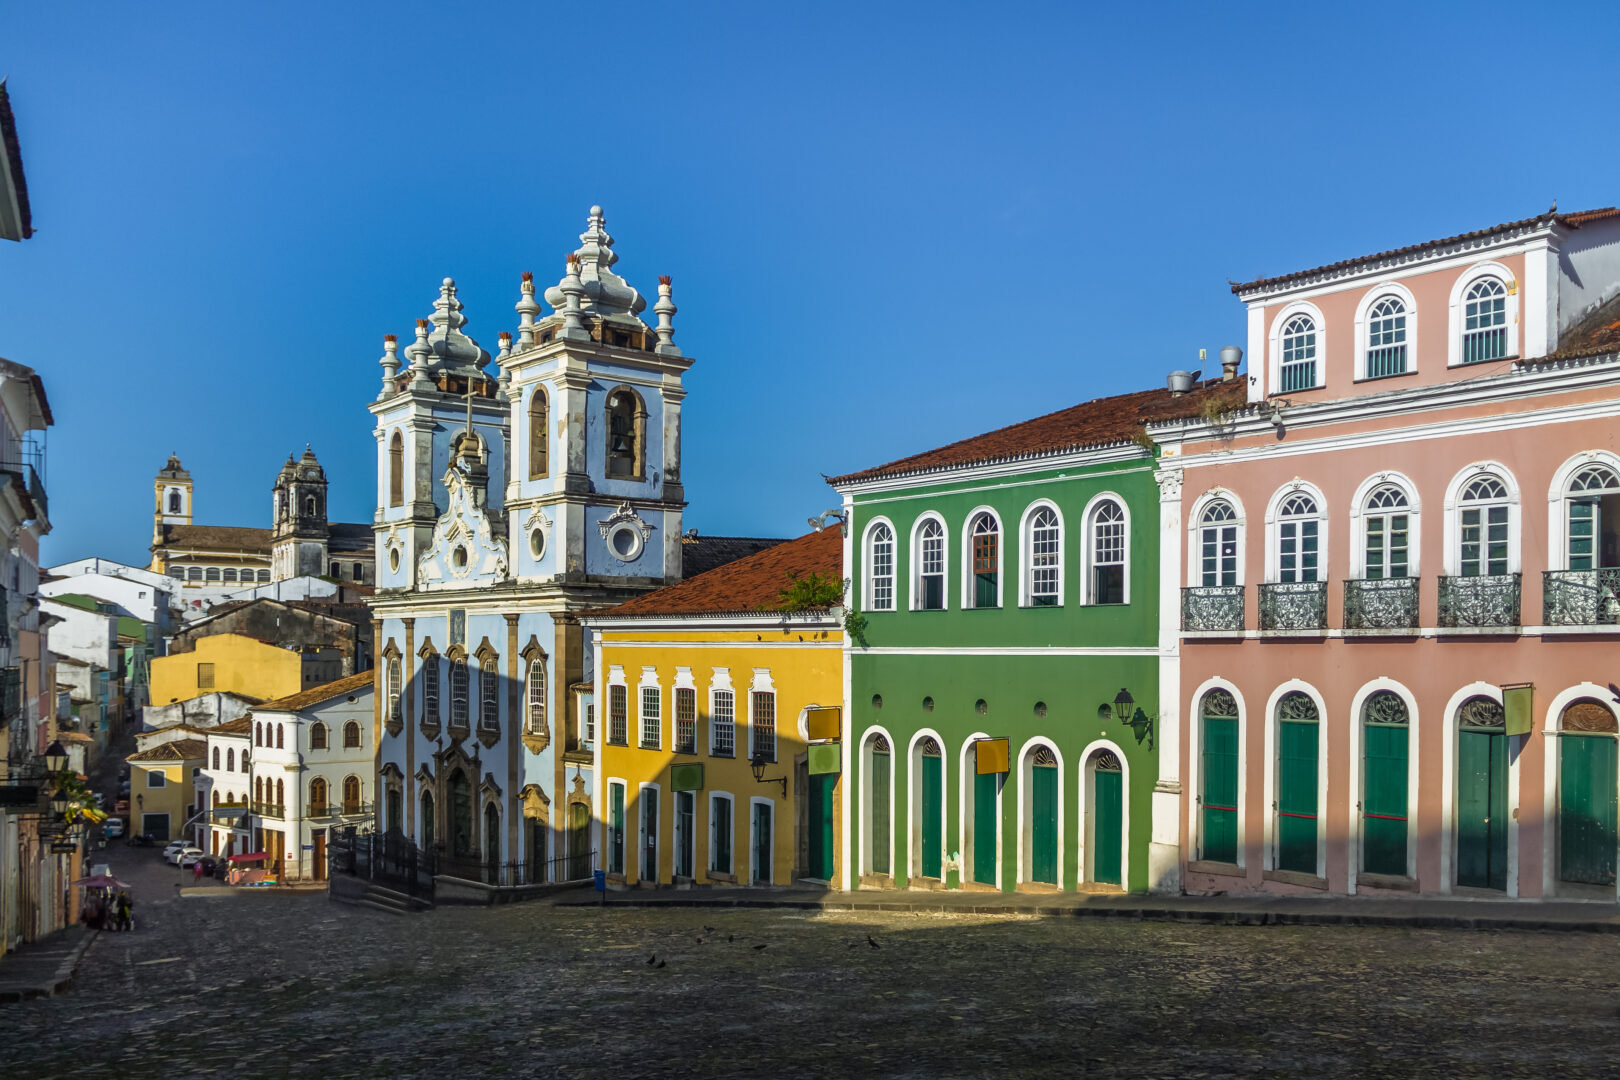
[(232, 538), (1572, 220), (749, 585), (178, 750), (349, 684), (1101, 422)]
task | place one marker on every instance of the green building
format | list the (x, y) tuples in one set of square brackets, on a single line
[(1002, 696)]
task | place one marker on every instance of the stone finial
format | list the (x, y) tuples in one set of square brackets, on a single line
[(572, 290), (665, 309), (390, 366), (527, 308), (505, 340), (419, 352)]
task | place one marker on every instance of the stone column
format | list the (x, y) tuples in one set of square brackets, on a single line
[(1164, 846), (514, 744), (379, 690), (407, 671)]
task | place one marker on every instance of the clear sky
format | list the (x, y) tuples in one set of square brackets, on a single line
[(890, 225)]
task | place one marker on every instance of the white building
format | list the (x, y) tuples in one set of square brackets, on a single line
[(223, 786), (148, 597)]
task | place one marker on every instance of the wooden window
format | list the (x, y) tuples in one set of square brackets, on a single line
[(351, 795), (1485, 332), (618, 716), (930, 562), (723, 724), (458, 692), (317, 797), (685, 720), (1299, 354), (396, 470), (281, 737), (1298, 539), (351, 735), (1483, 528), (230, 759), (539, 435), (281, 793), (205, 676), (1387, 526), (489, 706), (986, 539), (1108, 553), (651, 717), (430, 688), (535, 718), (216, 757), (317, 736), (880, 562), (762, 724)]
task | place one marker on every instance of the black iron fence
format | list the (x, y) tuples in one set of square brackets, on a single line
[(560, 870), (1293, 605), (1485, 601), (389, 858), (1580, 597), (1212, 607), (1381, 604)]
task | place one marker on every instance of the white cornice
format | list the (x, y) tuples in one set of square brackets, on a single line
[(717, 622)]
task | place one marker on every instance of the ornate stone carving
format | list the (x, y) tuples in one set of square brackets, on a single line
[(1169, 481), (624, 516), (463, 544)]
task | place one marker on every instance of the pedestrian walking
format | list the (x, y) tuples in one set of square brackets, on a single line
[(196, 872), (126, 918)]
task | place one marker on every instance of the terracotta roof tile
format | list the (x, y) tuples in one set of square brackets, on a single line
[(349, 684), (231, 538), (1573, 220), (1598, 334), (747, 586), (700, 554), (242, 725), (1101, 422), (178, 750)]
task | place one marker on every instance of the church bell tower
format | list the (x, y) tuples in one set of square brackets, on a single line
[(298, 538), (171, 498)]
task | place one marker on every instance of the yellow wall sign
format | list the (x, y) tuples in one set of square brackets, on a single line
[(990, 756), (824, 723)]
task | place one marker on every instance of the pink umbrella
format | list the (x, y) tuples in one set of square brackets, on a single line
[(101, 881)]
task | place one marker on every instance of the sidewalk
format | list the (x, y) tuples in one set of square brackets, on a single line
[(45, 967), (1590, 917)]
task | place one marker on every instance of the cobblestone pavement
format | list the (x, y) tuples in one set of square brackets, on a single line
[(283, 985)]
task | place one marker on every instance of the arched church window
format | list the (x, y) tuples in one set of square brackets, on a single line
[(396, 470), (309, 506), (458, 693), (539, 440), (626, 436), (174, 502)]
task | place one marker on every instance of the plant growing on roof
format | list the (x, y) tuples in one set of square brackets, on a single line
[(810, 593), (1144, 440)]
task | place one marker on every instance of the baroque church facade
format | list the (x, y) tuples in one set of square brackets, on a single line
[(514, 493)]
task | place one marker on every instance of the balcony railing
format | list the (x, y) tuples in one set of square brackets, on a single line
[(1580, 597), (1479, 601), (1212, 607), (27, 477), (1293, 605), (1381, 604), (269, 809)]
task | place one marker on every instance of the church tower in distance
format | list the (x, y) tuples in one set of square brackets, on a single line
[(171, 497), (298, 537)]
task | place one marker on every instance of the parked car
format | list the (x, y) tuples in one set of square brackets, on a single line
[(172, 848), (112, 827), (189, 857), (175, 855)]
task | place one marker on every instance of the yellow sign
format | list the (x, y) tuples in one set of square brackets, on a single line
[(990, 756), (824, 723)]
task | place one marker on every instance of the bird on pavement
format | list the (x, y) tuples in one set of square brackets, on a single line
[(871, 942), (758, 947), (660, 963), (651, 960)]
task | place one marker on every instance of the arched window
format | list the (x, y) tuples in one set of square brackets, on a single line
[(280, 737), (489, 710), (351, 735), (351, 794), (211, 574), (258, 789), (317, 797), (1386, 338), (534, 721), (230, 759), (430, 688), (929, 559), (458, 692), (539, 435), (393, 690), (229, 573), (1218, 545), (1044, 558), (1298, 539), (1592, 517), (1106, 551), (178, 573), (174, 502), (317, 737), (216, 799), (880, 568), (1483, 528), (984, 535), (309, 506), (626, 434), (1386, 727), (281, 793), (1218, 743), (1298, 728), (1386, 530), (216, 757), (1298, 354), (258, 733), (194, 573), (396, 470), (1485, 333), (264, 575)]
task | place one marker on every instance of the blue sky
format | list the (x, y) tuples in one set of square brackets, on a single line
[(890, 226)]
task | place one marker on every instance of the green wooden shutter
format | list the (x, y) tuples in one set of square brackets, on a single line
[(1586, 809), (1107, 826), (616, 828), (720, 857), (984, 828), (1043, 824), (932, 792), (821, 825), (1296, 797), (1220, 791), (762, 843), (880, 813), (1482, 809), (1383, 803)]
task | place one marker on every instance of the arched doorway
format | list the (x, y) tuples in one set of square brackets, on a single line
[(928, 808), (1481, 794), (461, 811), (579, 841), (427, 821), (880, 770), (538, 855), (1106, 816), (492, 843), (1386, 725), (983, 815), (1298, 734), (1043, 815), (1586, 794), (1218, 749), (392, 812)]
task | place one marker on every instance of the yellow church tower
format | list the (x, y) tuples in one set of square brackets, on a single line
[(171, 505)]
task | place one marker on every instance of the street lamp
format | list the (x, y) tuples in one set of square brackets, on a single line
[(60, 803), (1124, 709), (56, 759), (757, 764)]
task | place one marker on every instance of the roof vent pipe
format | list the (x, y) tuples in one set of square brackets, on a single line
[(1231, 357), (1179, 382)]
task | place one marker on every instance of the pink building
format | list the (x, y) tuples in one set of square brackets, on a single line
[(1400, 578)]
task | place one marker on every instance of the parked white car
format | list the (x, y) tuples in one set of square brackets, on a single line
[(182, 852), (190, 856), (112, 827)]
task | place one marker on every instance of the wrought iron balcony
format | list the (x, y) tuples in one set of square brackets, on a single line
[(1480, 601), (1293, 605), (1580, 597), (1212, 607), (269, 809), (1381, 604)]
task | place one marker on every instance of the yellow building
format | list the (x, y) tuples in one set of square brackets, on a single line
[(162, 788), (234, 664), (712, 701)]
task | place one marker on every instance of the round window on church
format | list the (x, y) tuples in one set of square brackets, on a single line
[(393, 559), (537, 543), (458, 557), (626, 543)]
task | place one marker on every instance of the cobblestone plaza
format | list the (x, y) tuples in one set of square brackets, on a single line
[(285, 985)]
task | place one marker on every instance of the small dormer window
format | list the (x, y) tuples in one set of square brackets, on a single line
[(1299, 354)]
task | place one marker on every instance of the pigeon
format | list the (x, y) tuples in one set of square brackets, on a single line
[(730, 938), (758, 947), (700, 941), (871, 942), (709, 929), (652, 959), (660, 963)]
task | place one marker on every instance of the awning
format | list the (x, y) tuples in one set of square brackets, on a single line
[(250, 856)]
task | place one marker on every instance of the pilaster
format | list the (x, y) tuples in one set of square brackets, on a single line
[(514, 742), (407, 665), (1164, 845)]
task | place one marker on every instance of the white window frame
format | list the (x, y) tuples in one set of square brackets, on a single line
[(644, 791), (1195, 534), (870, 579), (708, 863), (536, 664), (916, 575), (615, 677), (1026, 540), (1459, 292), (684, 681), (1088, 552), (721, 684), (762, 684), (1358, 525), (1274, 522), (753, 876), (649, 689), (1557, 501), (1274, 362), (1370, 299), (970, 592), (1453, 511)]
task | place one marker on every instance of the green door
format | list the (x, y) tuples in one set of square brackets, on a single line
[(933, 775), (1107, 822), (821, 825), (1043, 823), (616, 828), (1586, 808), (1383, 804), (1296, 796), (762, 843), (984, 828), (880, 812), (1482, 809), (1220, 791)]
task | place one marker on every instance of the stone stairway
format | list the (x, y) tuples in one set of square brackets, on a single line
[(362, 893)]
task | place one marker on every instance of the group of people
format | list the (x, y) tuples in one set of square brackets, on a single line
[(109, 911)]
